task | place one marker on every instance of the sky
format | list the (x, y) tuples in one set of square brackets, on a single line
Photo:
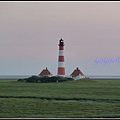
[(30, 33)]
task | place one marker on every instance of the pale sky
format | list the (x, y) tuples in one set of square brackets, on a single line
[(30, 33)]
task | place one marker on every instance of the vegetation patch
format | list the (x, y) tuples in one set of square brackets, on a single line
[(45, 79)]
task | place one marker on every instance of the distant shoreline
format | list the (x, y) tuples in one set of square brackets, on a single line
[(13, 77), (95, 77)]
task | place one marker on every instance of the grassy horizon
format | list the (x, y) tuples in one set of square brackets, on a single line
[(73, 99)]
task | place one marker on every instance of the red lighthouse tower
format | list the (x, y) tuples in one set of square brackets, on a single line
[(61, 66)]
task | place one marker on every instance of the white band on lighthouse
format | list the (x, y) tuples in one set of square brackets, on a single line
[(61, 53), (60, 64)]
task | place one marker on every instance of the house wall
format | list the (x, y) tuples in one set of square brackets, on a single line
[(78, 77)]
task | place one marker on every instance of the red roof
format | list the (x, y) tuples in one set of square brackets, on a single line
[(45, 72), (76, 72)]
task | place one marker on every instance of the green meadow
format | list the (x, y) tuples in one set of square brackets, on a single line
[(71, 99)]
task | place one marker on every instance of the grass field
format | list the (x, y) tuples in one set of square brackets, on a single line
[(74, 99)]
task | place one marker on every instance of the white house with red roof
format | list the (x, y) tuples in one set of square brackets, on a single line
[(77, 74), (45, 72)]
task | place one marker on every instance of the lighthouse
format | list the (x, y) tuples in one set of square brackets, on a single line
[(61, 65)]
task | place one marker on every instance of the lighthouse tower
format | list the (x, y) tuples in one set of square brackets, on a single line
[(61, 66)]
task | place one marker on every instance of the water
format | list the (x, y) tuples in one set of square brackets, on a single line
[(103, 77), (15, 77)]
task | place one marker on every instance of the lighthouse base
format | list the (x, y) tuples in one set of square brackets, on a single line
[(61, 71)]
